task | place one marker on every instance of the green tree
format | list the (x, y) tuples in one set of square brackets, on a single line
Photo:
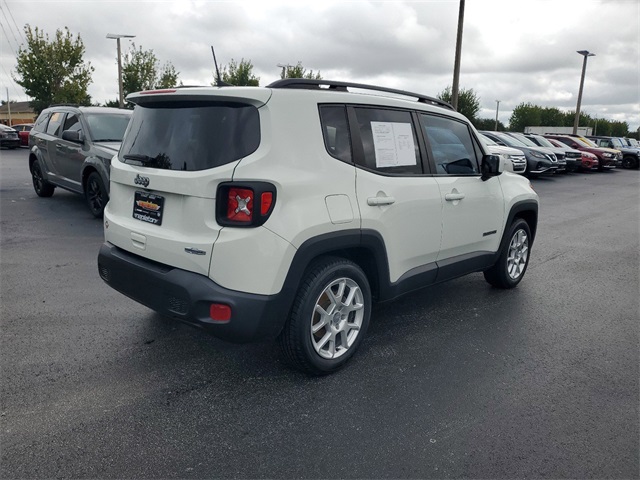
[(53, 71), (239, 74), (619, 129), (168, 76), (141, 71), (298, 71), (525, 115), (488, 124), (551, 117), (468, 101)]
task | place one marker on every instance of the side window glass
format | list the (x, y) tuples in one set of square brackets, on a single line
[(451, 144), (335, 130), (72, 123), (41, 123), (389, 141), (54, 124)]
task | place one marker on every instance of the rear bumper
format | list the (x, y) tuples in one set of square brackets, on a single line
[(10, 142), (187, 296)]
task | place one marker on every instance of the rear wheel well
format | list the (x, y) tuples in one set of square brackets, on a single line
[(362, 257)]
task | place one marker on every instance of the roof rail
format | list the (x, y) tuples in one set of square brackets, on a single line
[(65, 105), (313, 84)]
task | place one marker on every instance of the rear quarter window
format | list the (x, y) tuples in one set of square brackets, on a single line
[(41, 122), (190, 136)]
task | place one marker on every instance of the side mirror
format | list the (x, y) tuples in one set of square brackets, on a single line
[(491, 166), (75, 136)]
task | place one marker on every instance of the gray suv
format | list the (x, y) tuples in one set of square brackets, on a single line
[(72, 147)]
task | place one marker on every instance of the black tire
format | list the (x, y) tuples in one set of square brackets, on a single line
[(511, 266), (96, 194), (302, 348), (630, 162), (40, 185)]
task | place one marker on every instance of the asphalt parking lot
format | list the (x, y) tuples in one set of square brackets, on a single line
[(458, 380)]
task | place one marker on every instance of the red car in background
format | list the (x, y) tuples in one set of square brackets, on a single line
[(23, 133), (588, 161), (607, 157)]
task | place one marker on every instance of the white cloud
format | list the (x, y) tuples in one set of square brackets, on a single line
[(512, 51)]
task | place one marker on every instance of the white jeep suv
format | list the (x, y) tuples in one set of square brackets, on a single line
[(285, 211)]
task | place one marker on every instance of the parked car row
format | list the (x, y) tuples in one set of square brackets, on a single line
[(554, 153)]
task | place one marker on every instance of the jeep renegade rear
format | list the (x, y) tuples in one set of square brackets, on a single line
[(286, 211)]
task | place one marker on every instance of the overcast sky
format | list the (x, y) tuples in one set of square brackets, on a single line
[(513, 50)]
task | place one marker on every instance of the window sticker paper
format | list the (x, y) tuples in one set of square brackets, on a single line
[(393, 144)]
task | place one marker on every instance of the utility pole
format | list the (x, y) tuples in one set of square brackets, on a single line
[(456, 66), (8, 106), (585, 54), (284, 67), (117, 37), (497, 107)]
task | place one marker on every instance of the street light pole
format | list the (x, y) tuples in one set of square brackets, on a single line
[(585, 54), (497, 107), (284, 67), (456, 66), (117, 37)]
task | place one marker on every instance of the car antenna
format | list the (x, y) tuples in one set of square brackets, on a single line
[(219, 82)]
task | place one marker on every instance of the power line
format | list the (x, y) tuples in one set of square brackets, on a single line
[(14, 22), (8, 41), (9, 26), (12, 82)]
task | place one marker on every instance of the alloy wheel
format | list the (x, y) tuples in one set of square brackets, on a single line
[(518, 254), (337, 318)]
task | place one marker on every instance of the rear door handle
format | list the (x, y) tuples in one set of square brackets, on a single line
[(375, 201), (452, 197)]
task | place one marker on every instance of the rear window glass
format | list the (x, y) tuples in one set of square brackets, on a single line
[(190, 136)]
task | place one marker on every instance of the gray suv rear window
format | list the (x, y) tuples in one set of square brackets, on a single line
[(190, 136)]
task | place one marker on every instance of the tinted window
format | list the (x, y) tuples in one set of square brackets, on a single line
[(41, 122), (389, 141), (72, 123), (107, 127), (191, 136), (451, 144), (335, 130), (54, 123)]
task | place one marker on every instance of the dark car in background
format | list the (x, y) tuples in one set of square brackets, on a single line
[(540, 161), (558, 152), (572, 157), (607, 158), (9, 137), (23, 130), (72, 147), (630, 155)]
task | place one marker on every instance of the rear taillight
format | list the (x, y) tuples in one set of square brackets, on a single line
[(246, 204), (240, 205), (220, 313)]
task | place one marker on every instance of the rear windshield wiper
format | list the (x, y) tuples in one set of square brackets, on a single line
[(108, 140), (138, 157)]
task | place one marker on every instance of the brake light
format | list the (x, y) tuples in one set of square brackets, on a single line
[(152, 92), (246, 204), (240, 205)]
